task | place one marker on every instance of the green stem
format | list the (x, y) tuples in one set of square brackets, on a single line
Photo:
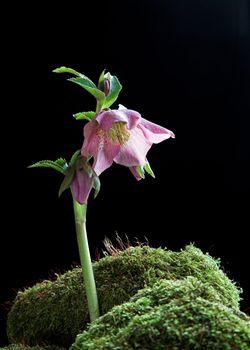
[(98, 106), (87, 270)]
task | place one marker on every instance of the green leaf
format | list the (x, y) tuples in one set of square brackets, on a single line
[(74, 157), (96, 185), (70, 172), (59, 165), (91, 88), (148, 169), (69, 175), (74, 72), (140, 171), (84, 115), (114, 90), (101, 81), (66, 70)]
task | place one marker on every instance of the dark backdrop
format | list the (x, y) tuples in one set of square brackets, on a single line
[(183, 65)]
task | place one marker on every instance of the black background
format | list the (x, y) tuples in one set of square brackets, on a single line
[(184, 65)]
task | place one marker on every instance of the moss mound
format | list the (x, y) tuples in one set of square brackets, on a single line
[(54, 312), (173, 315), (23, 347)]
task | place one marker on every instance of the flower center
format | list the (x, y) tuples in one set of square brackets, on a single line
[(118, 133)]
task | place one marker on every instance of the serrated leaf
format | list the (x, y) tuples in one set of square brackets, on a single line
[(148, 169), (69, 175), (140, 171), (98, 94), (84, 115), (114, 90), (59, 165), (62, 162), (74, 72)]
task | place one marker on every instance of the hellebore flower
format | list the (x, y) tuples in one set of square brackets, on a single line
[(84, 179), (80, 178), (122, 136), (81, 186)]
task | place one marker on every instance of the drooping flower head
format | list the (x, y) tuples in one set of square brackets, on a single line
[(83, 180), (119, 135), (122, 136)]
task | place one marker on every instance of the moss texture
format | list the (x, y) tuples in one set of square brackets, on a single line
[(23, 347), (173, 315), (54, 312)]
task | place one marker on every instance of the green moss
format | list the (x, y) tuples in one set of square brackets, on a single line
[(23, 347), (173, 315), (55, 312)]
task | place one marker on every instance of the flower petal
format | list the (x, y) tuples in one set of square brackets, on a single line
[(81, 186), (154, 133), (98, 145), (105, 156), (91, 139), (134, 151), (107, 118)]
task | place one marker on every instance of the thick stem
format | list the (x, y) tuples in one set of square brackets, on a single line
[(87, 270)]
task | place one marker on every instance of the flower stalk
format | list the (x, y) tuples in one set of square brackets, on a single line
[(87, 269), (122, 136)]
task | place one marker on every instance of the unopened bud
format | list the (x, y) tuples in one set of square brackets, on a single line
[(106, 86)]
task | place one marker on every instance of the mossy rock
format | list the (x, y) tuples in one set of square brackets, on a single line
[(172, 315), (54, 312)]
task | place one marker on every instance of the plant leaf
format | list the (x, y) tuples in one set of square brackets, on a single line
[(74, 72), (114, 90), (148, 169), (84, 115), (74, 157), (101, 81), (98, 94), (59, 165), (66, 70)]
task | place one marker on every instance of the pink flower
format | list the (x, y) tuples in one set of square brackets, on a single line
[(122, 136), (81, 186), (84, 179)]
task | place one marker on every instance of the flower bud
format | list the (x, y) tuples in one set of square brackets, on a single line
[(106, 86)]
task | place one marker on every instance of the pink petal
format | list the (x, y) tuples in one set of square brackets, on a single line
[(107, 118), (135, 173), (105, 156), (134, 151), (91, 139), (98, 145), (81, 187), (154, 133)]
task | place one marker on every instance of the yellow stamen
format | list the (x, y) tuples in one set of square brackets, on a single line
[(118, 133)]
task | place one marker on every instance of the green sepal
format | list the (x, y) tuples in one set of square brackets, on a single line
[(84, 115), (101, 81), (59, 165), (73, 159), (96, 185), (68, 178), (140, 171), (69, 173), (114, 90), (90, 87), (148, 169)]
